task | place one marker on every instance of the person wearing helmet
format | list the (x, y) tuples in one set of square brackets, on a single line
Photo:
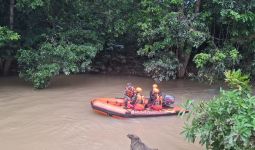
[(129, 95), (155, 85), (157, 104), (139, 100), (153, 95)]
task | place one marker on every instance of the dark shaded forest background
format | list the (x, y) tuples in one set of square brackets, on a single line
[(163, 39)]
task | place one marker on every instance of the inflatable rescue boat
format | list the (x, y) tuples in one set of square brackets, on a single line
[(115, 107)]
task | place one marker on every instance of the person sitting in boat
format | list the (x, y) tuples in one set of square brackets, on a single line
[(139, 100), (151, 99), (157, 104), (129, 95), (153, 94)]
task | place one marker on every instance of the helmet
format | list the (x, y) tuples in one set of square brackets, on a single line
[(155, 85), (156, 90), (138, 89), (129, 84)]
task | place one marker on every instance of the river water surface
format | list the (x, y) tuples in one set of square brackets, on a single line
[(60, 117)]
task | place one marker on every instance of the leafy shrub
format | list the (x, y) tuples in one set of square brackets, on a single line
[(226, 121), (41, 76), (163, 68), (237, 80), (40, 66), (7, 35), (8, 48), (201, 59), (211, 66)]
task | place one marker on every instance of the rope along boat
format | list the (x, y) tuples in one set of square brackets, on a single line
[(115, 107)]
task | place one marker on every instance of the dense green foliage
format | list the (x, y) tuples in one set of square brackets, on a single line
[(213, 65), (226, 121), (166, 36), (163, 68), (7, 35), (232, 28), (49, 60), (237, 80), (167, 31), (7, 39)]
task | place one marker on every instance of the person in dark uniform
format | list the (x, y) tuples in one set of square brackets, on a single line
[(129, 94)]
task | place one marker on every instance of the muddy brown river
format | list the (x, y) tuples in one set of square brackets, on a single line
[(60, 117)]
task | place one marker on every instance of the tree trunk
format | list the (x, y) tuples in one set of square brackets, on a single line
[(1, 66), (184, 57), (11, 13), (198, 4), (7, 66), (184, 60)]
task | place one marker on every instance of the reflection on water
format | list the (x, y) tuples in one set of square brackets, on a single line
[(60, 117)]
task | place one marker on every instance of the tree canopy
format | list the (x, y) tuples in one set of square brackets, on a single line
[(172, 38)]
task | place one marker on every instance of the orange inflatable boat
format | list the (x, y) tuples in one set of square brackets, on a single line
[(115, 107)]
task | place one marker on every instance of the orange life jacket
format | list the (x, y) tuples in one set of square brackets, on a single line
[(139, 98), (158, 100), (156, 107)]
